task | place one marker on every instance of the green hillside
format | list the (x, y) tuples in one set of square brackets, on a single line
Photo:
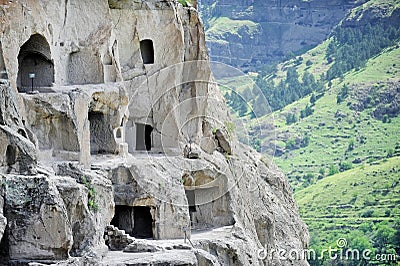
[(223, 25), (361, 205), (335, 131), (345, 132)]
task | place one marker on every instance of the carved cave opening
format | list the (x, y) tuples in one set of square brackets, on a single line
[(101, 134), (118, 133), (11, 154), (5, 247), (143, 137), (191, 198), (137, 221), (35, 58), (147, 51)]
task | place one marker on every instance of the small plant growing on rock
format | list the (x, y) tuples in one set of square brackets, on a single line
[(93, 206), (227, 156), (185, 3)]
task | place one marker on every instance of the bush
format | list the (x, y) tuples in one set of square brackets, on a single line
[(343, 166), (291, 118), (351, 145), (91, 194), (306, 112), (291, 144), (305, 142), (390, 153), (333, 170), (367, 213), (344, 92), (313, 99), (386, 119), (309, 177), (321, 171)]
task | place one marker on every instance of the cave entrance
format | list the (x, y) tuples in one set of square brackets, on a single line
[(143, 137), (101, 134), (137, 221), (191, 198), (123, 218), (147, 51), (11, 155), (143, 222), (35, 67)]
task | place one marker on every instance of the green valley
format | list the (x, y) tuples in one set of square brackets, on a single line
[(334, 130)]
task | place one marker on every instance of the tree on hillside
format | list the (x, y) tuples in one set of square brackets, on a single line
[(291, 118), (383, 235), (351, 47), (344, 92), (333, 170)]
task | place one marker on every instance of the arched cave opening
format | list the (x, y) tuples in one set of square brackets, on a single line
[(11, 154), (136, 221), (118, 133), (147, 51), (191, 198), (35, 58)]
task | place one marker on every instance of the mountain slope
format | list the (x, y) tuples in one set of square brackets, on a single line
[(340, 146), (344, 132), (278, 29), (362, 207), (334, 130)]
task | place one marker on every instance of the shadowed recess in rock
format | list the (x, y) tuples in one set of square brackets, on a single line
[(136, 221), (35, 58), (143, 137), (147, 50)]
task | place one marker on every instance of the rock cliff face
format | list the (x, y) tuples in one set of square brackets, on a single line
[(109, 118), (267, 31)]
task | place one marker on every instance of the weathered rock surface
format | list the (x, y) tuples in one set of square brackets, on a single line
[(38, 226), (168, 257), (117, 239), (87, 219), (3, 219), (103, 144), (17, 149)]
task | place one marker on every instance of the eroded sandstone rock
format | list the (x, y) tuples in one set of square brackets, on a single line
[(132, 87), (38, 225)]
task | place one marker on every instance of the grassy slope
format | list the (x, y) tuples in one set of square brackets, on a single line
[(330, 136), (373, 186), (356, 199), (222, 25), (369, 188)]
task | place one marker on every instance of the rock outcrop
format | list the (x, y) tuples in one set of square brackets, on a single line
[(262, 32), (109, 118)]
